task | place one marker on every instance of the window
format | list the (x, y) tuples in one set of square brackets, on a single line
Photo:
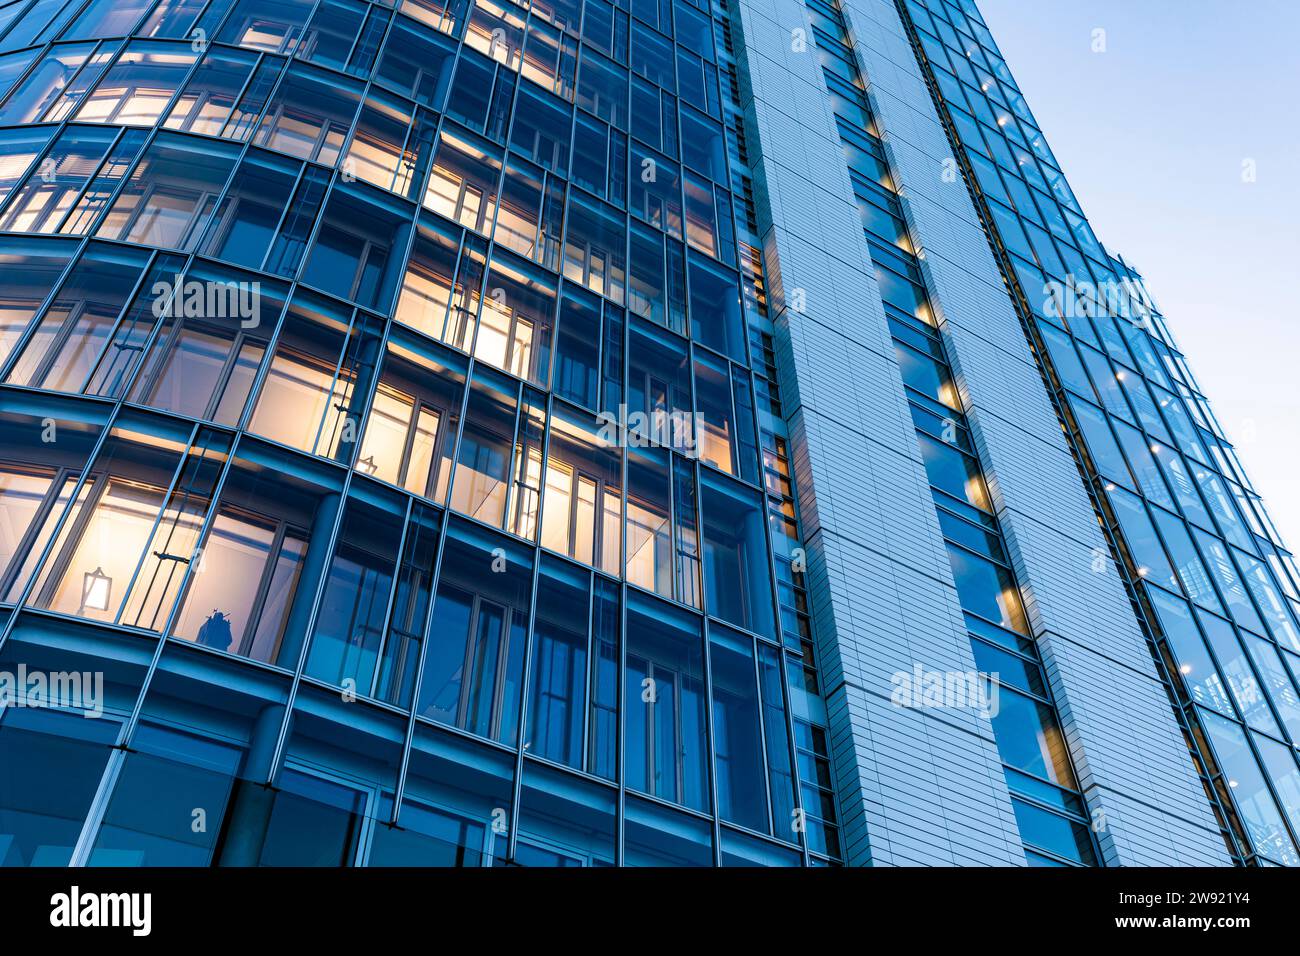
[(434, 298), (703, 220), (1249, 791), (718, 443), (137, 88), (564, 821), (649, 521), (516, 320), (463, 186), (581, 502), (23, 494), (350, 623), (496, 29), (1280, 764), (656, 191), (716, 319), (780, 773), (358, 247), (165, 775), (602, 720), (313, 822), (483, 461), (541, 129), (1269, 600), (737, 573), (1175, 471), (244, 597), (1193, 663), (816, 788), (1229, 581), (173, 18), (40, 204), (1053, 833), (659, 389), (63, 74), (737, 731), (416, 63), (1030, 739), (63, 347), (243, 227), (43, 808), (703, 147), (473, 668), (987, 589), (40, 22), (602, 89), (557, 695), (312, 388), (665, 748), (1191, 572), (274, 26), (400, 657), (652, 56), (335, 27), (953, 472), (577, 349), (18, 148), (392, 145), (198, 366), (593, 248), (1234, 665), (1140, 539), (31, 272), (551, 59), (412, 421), (171, 193), (309, 116), (521, 209), (1142, 463), (599, 159), (647, 285), (130, 536), (455, 790), (210, 95), (13, 65)]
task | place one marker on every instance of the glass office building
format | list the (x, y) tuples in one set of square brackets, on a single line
[(588, 433)]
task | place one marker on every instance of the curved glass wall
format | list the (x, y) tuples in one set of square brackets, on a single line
[(389, 415)]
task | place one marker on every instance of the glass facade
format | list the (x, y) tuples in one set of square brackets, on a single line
[(417, 447), (391, 418)]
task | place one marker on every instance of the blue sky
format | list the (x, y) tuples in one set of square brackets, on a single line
[(1152, 134)]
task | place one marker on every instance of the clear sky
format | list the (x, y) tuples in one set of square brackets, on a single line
[(1152, 134)]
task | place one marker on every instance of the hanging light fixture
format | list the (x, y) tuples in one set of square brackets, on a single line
[(96, 586)]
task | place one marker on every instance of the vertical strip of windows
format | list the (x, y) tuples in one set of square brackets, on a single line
[(1212, 585), (1054, 826)]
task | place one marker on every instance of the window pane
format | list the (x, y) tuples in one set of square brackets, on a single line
[(737, 576), (42, 809), (665, 747), (557, 700), (737, 738), (473, 668)]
